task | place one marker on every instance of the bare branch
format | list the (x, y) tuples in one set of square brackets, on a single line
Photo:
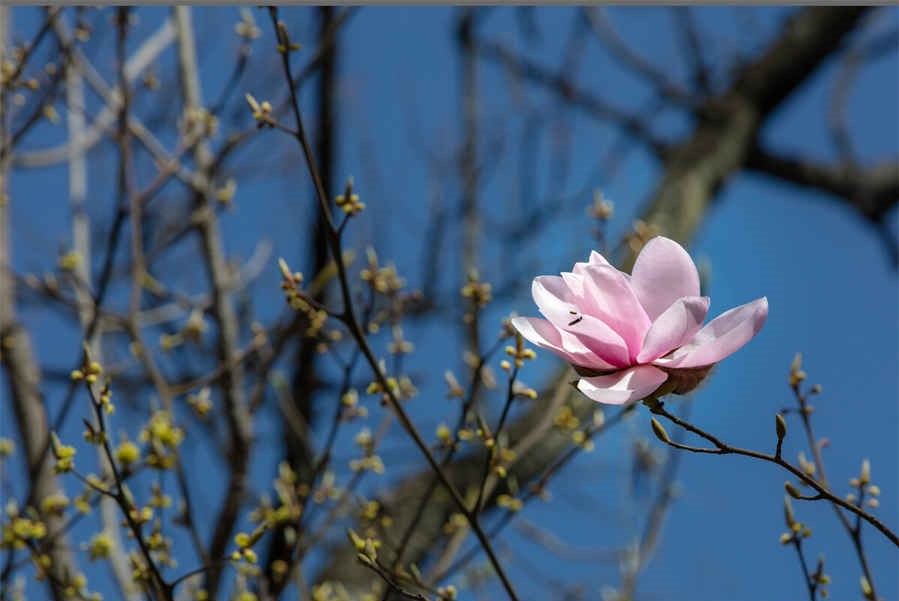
[(692, 42), (872, 191), (142, 58), (578, 97), (629, 57)]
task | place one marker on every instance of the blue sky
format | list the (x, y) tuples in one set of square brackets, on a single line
[(831, 290)]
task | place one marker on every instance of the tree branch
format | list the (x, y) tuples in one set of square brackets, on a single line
[(872, 191)]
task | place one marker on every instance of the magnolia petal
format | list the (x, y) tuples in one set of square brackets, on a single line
[(624, 386), (677, 325), (609, 297), (554, 299), (576, 287), (721, 337), (544, 334), (560, 306), (663, 273), (595, 259)]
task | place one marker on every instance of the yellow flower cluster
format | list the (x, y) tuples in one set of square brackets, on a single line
[(245, 544), (509, 502), (330, 591), (140, 572), (163, 438), (519, 353), (444, 435), (262, 111), (371, 463), (399, 345), (64, 454), (201, 402), (501, 460), (384, 280), (100, 546), (455, 523), (19, 530), (89, 372), (352, 408), (479, 292), (366, 548), (127, 454), (290, 506), (327, 489), (348, 201), (376, 388), (54, 504), (70, 261), (566, 420)]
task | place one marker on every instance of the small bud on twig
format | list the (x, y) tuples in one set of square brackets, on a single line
[(660, 432), (789, 518), (865, 475), (780, 426), (867, 591)]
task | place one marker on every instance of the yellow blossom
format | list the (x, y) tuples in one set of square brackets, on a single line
[(100, 546), (127, 453)]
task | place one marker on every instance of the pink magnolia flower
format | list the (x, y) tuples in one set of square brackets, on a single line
[(630, 336)]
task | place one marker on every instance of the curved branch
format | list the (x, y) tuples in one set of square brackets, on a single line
[(722, 448), (872, 191)]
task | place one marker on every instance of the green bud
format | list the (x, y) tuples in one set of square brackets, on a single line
[(867, 591), (792, 490), (788, 512), (659, 431), (780, 426)]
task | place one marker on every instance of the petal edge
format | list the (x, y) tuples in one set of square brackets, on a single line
[(623, 386), (663, 273), (721, 337)]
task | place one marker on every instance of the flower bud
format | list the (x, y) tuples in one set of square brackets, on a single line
[(659, 431), (792, 490), (357, 541), (780, 426), (867, 591), (788, 512), (865, 475)]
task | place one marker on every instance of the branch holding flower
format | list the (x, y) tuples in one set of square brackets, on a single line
[(640, 336)]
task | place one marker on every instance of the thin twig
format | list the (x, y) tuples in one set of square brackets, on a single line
[(722, 448)]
